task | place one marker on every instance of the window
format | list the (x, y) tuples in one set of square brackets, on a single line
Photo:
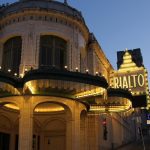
[(12, 54), (52, 51)]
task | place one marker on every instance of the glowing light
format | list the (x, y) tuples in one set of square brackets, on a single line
[(87, 70), (128, 64), (9, 70), (15, 74), (110, 108), (12, 106), (93, 92), (76, 68), (30, 87), (48, 109), (65, 67)]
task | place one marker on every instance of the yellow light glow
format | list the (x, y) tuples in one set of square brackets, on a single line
[(9, 88), (112, 104), (15, 74), (110, 108), (12, 106), (48, 109), (30, 86), (65, 67), (93, 92)]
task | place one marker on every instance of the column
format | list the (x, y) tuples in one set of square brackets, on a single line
[(26, 125), (73, 130)]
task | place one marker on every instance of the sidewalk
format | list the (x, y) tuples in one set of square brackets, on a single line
[(138, 145)]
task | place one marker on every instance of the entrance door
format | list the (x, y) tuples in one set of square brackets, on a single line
[(4, 141), (54, 142)]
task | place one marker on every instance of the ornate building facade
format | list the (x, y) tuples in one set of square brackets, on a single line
[(56, 85)]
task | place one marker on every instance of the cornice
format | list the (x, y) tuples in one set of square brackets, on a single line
[(62, 18)]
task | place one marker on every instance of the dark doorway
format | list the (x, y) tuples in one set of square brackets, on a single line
[(4, 141)]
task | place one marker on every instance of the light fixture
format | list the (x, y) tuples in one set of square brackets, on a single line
[(65, 67), (0, 67), (9, 70), (96, 73), (15, 74), (77, 69), (87, 71)]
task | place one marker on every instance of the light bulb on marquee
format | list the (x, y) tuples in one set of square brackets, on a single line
[(77, 69), (96, 73), (9, 70), (65, 67), (25, 69)]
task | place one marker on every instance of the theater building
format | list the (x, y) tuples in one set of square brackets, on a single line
[(58, 91)]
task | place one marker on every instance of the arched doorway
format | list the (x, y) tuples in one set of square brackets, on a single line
[(9, 126), (49, 129)]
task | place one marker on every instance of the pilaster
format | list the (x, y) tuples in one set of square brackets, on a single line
[(30, 49), (1, 53), (73, 130), (83, 134)]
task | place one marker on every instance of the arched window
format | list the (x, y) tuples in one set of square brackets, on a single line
[(52, 51), (12, 54)]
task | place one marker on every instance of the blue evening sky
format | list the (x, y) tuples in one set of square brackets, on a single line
[(117, 24)]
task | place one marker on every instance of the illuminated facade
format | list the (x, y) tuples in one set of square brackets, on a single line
[(57, 88)]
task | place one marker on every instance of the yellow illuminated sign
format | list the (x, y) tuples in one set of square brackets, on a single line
[(134, 80), (129, 81)]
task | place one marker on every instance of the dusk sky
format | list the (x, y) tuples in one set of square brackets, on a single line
[(117, 24)]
